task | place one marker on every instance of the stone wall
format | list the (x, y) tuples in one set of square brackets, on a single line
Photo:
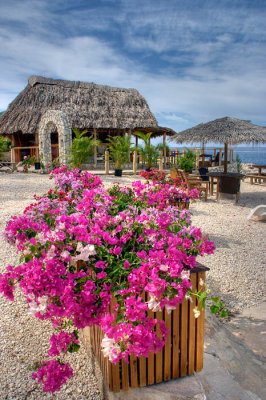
[(54, 120)]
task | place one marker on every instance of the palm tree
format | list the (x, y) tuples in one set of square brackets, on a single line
[(149, 152), (119, 148), (82, 148)]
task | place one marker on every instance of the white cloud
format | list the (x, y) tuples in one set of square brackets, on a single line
[(205, 69)]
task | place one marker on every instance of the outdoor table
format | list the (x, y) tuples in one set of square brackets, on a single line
[(212, 176), (260, 168), (226, 183)]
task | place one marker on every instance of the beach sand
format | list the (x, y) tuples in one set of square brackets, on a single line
[(237, 271)]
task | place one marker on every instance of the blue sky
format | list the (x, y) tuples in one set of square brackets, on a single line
[(193, 61)]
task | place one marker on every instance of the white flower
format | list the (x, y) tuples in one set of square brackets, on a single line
[(169, 308), (79, 247), (153, 305), (61, 226), (201, 282), (65, 254), (109, 348), (39, 306), (185, 274), (51, 252), (40, 238), (196, 312), (85, 252), (163, 268), (188, 297)]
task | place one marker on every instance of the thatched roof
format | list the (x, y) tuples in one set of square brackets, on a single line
[(87, 105), (224, 130)]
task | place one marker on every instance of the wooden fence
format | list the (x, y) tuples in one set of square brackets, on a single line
[(181, 356)]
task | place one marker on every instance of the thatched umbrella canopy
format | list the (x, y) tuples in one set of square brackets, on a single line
[(87, 106), (225, 130)]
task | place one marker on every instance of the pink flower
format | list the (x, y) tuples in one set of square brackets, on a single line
[(126, 264), (52, 375), (101, 275), (116, 250), (60, 343), (7, 286)]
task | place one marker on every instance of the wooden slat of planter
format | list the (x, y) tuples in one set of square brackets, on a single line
[(175, 342), (151, 371), (167, 348), (143, 362), (151, 358), (125, 376), (159, 356), (97, 341), (184, 338), (133, 372), (142, 371), (192, 329), (200, 330), (115, 373)]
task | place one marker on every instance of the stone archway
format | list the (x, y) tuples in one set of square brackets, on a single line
[(54, 120)]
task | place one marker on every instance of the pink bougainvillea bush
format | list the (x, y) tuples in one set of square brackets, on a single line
[(81, 244)]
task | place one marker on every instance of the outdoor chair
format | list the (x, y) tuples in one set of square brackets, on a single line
[(204, 175), (193, 181), (207, 160)]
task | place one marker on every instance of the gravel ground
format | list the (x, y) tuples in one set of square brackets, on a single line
[(237, 271)]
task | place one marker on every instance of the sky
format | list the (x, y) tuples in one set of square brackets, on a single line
[(193, 60)]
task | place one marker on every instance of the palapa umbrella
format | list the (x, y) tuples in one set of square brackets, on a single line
[(225, 130)]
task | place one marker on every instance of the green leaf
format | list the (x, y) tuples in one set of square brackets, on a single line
[(224, 313), (73, 347), (214, 309)]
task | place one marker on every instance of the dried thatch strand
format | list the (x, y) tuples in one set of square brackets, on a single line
[(87, 105)]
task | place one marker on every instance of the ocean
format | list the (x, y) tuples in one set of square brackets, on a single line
[(254, 155), (247, 154)]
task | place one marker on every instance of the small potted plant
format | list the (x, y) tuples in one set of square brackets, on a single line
[(119, 148), (148, 152), (187, 161), (37, 162), (26, 163), (82, 148)]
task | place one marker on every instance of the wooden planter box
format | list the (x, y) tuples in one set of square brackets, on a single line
[(181, 356)]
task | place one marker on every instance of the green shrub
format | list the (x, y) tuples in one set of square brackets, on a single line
[(82, 148), (187, 161), (5, 144), (119, 148)]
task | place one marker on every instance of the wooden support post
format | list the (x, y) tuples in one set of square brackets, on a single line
[(12, 155), (231, 156), (95, 149), (164, 148), (220, 158), (225, 157), (135, 158), (129, 136), (160, 161), (106, 162), (197, 158)]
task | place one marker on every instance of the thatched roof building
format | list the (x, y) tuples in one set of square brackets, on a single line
[(41, 118), (87, 105)]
